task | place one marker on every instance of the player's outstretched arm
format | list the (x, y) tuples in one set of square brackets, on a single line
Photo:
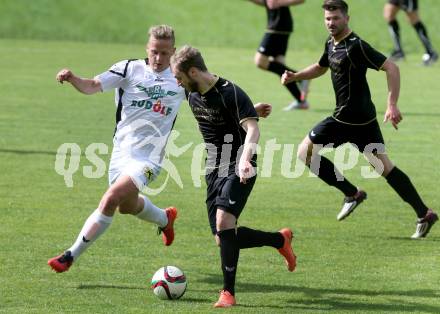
[(83, 85), (274, 4), (311, 72), (259, 2), (263, 109), (392, 113)]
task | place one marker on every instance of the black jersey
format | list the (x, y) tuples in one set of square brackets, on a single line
[(279, 20), (219, 113), (348, 62)]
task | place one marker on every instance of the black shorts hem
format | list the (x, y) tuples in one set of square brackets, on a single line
[(273, 44), (331, 132)]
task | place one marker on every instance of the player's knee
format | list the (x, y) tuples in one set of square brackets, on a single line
[(304, 154), (301, 154), (220, 225), (413, 18), (389, 12), (217, 240), (130, 205), (387, 167), (110, 201), (261, 61), (225, 222), (259, 64), (124, 209)]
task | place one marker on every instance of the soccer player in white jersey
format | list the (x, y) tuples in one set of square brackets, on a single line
[(147, 97)]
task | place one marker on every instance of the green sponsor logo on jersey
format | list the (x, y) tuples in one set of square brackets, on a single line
[(156, 91)]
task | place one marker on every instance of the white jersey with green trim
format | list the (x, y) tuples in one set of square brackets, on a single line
[(147, 103)]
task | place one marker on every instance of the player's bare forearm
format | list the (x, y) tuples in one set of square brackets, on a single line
[(311, 72), (259, 2), (85, 86), (392, 112), (252, 137), (393, 79), (274, 4), (245, 168)]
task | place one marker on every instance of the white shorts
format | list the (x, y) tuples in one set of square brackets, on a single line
[(137, 166)]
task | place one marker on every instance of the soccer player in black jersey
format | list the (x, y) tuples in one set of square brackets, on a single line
[(227, 120), (354, 118), (410, 7), (272, 51)]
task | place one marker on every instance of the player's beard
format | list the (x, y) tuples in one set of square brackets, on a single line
[(193, 86), (337, 30)]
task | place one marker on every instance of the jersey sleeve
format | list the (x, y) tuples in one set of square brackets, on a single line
[(115, 77), (369, 57), (323, 61), (243, 106)]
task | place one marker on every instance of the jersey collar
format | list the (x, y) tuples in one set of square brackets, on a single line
[(342, 39), (210, 86), (159, 74)]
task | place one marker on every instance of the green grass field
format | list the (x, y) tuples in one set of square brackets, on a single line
[(365, 264)]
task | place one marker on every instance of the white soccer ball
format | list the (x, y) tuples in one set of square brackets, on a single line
[(169, 283)]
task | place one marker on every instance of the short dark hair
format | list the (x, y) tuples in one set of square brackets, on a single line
[(332, 5), (188, 57)]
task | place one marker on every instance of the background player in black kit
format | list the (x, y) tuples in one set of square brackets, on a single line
[(272, 51), (354, 118), (228, 122), (390, 10)]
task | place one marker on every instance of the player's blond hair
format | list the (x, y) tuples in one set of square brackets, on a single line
[(162, 32), (188, 57)]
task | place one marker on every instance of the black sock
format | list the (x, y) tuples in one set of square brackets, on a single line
[(229, 253), (279, 68), (248, 238), (327, 172), (423, 35), (394, 29), (400, 182)]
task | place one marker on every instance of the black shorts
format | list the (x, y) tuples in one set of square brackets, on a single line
[(406, 5), (331, 132), (226, 193), (274, 44)]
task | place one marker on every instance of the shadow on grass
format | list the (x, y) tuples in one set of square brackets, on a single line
[(336, 299), (312, 299), (27, 152), (33, 152), (319, 292), (336, 305), (428, 239), (110, 286), (198, 300), (128, 287)]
